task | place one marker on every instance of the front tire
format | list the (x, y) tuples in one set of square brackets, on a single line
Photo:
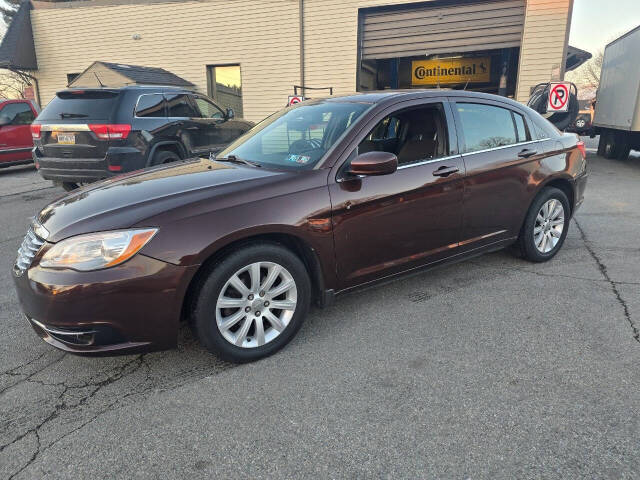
[(545, 226), (252, 303)]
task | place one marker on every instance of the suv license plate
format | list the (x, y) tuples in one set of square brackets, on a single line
[(66, 139)]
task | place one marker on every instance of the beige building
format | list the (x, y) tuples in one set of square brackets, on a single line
[(255, 51)]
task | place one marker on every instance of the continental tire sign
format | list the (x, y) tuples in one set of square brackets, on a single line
[(451, 70)]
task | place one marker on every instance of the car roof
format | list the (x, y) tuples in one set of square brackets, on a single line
[(383, 96), (144, 88)]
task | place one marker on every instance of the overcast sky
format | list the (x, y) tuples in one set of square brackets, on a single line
[(596, 22)]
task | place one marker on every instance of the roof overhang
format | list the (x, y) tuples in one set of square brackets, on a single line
[(17, 50), (575, 58)]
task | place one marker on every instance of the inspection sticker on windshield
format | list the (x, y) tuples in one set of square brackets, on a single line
[(302, 159)]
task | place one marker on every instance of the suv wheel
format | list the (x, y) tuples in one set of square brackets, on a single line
[(164, 156), (69, 186), (545, 226), (252, 303)]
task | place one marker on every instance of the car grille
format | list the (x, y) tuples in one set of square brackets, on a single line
[(30, 246)]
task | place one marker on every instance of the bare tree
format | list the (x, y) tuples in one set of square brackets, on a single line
[(588, 74), (8, 9), (13, 84)]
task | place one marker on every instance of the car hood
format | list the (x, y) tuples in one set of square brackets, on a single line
[(129, 199)]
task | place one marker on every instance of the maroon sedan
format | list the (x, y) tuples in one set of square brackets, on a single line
[(317, 199)]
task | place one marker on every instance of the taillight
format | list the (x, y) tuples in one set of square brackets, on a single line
[(110, 132), (35, 130), (582, 148)]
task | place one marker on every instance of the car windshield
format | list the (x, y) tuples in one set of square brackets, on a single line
[(296, 137)]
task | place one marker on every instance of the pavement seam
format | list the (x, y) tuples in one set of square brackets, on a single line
[(614, 285), (27, 192)]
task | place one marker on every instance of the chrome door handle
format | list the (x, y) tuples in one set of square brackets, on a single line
[(445, 171)]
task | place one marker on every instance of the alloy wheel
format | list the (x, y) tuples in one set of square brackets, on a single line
[(549, 226), (256, 304)]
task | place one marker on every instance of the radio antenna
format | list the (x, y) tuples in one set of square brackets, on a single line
[(98, 78)]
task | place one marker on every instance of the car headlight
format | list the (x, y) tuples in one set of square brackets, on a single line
[(97, 250)]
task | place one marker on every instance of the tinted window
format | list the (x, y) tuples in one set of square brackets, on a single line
[(544, 128), (81, 104), (521, 129), (412, 135), (17, 113), (179, 106), (151, 105), (485, 126), (208, 109)]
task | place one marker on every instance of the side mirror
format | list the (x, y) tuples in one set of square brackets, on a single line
[(230, 113), (374, 163), (4, 120)]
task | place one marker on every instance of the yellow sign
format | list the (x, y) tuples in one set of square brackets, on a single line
[(446, 71)]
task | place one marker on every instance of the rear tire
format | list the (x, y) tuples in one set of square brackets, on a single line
[(623, 149), (601, 144), (242, 324), (610, 148), (164, 156), (545, 226)]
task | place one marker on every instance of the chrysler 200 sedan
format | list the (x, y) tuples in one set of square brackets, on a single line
[(316, 200)]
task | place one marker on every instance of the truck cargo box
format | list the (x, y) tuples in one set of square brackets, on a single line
[(618, 100)]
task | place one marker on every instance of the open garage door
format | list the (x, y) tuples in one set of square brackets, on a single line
[(406, 31)]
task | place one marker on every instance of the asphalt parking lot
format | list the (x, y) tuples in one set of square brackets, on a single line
[(492, 368)]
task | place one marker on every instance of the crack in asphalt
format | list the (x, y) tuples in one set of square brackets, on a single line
[(614, 285), (62, 404), (27, 377)]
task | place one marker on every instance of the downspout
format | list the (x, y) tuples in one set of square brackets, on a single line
[(35, 84), (301, 29)]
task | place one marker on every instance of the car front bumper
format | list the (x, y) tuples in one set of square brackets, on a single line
[(129, 308)]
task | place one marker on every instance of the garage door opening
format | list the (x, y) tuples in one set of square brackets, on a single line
[(470, 44)]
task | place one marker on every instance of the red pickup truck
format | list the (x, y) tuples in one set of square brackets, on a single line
[(15, 133)]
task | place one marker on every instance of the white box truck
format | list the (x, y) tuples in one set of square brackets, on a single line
[(617, 111)]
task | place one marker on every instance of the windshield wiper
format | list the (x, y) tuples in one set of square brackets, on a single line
[(234, 159), (72, 115)]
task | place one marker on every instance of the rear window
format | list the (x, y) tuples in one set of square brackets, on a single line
[(486, 126), (80, 105), (150, 105), (544, 128)]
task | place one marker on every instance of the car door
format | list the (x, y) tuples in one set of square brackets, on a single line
[(15, 135), (499, 156), (388, 224), (220, 130), (191, 129)]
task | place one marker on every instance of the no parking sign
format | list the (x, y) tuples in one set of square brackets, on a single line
[(293, 99), (558, 97)]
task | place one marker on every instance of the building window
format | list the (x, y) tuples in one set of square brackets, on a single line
[(71, 77), (224, 85)]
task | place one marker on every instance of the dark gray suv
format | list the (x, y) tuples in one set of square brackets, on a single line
[(84, 135)]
